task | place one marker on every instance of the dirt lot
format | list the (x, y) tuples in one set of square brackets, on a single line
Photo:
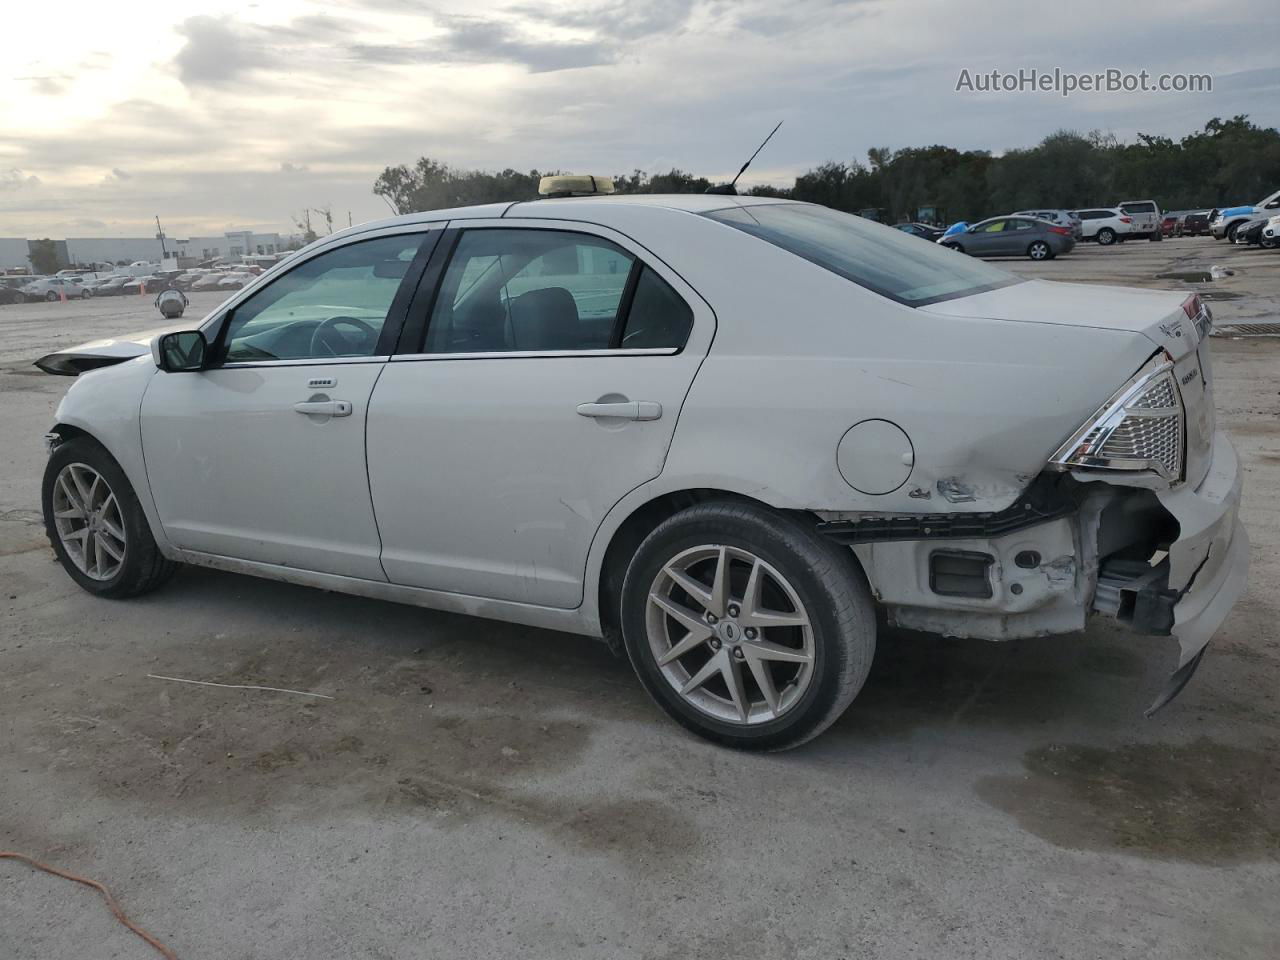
[(479, 790)]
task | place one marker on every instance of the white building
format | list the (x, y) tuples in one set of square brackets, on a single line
[(231, 245)]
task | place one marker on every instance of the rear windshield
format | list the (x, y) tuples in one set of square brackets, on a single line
[(889, 262)]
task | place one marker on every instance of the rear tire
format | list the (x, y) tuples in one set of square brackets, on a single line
[(1231, 233), (1157, 237), (764, 685), (1039, 250), (51, 296), (128, 563), (1106, 236)]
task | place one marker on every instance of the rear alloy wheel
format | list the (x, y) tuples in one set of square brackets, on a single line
[(1106, 236), (86, 294), (51, 296), (1039, 250), (746, 626)]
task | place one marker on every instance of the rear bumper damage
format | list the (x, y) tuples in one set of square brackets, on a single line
[(1160, 560)]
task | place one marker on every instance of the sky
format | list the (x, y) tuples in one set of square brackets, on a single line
[(217, 115)]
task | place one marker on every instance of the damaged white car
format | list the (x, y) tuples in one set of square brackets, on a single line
[(719, 431)]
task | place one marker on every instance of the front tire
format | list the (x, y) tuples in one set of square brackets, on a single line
[(1106, 236), (746, 626), (96, 525), (1231, 233), (1039, 250), (51, 296)]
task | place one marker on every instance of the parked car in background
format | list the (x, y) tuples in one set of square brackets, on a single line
[(1146, 218), (960, 226), (1196, 223), (11, 289), (137, 286), (209, 281), (1171, 225), (234, 281), (1224, 225), (1106, 225), (1063, 218), (55, 288), (1250, 233), (922, 230), (184, 281), (1013, 236), (614, 435), (112, 287)]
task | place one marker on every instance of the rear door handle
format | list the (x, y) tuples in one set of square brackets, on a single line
[(324, 408), (625, 410)]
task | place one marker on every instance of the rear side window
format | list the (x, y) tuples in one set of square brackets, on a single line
[(1147, 207), (879, 258), (525, 290), (658, 318)]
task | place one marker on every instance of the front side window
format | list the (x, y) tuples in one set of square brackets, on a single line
[(522, 290), (333, 305), (871, 255)]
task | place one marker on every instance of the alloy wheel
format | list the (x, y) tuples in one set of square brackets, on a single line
[(1038, 251), (89, 522), (730, 635)]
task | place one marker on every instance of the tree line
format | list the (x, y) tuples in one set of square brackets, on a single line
[(1228, 162)]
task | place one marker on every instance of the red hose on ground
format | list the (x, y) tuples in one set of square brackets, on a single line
[(106, 895)]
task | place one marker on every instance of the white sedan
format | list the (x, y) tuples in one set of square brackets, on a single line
[(718, 431)]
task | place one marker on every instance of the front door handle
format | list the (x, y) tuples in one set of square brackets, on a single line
[(324, 408), (625, 410)]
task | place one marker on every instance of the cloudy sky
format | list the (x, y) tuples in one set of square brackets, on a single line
[(219, 115)]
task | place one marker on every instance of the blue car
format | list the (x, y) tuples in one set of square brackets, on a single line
[(1228, 220)]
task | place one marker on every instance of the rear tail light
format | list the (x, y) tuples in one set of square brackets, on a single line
[(1126, 220), (1140, 428), (1065, 231), (1197, 312)]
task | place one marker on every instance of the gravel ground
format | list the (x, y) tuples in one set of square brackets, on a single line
[(477, 789)]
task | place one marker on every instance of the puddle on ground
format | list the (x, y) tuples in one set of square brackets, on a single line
[(1202, 802), (1191, 276)]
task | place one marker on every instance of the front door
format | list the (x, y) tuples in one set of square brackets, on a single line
[(261, 456), (554, 366)]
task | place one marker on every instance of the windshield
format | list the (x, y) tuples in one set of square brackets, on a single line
[(887, 261)]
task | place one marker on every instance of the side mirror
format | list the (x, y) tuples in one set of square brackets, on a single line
[(179, 352)]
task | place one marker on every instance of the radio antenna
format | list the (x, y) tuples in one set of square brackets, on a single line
[(731, 187)]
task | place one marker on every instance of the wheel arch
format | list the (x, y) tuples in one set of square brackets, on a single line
[(639, 521)]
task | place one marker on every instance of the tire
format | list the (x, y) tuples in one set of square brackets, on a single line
[(141, 567), (1106, 236), (1268, 244), (51, 296), (954, 246), (1156, 237), (819, 580), (1039, 250), (86, 294), (1231, 233)]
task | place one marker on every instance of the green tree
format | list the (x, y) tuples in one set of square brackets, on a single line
[(43, 256)]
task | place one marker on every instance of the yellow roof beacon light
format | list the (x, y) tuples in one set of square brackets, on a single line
[(574, 185)]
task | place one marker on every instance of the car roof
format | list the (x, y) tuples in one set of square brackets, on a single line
[(602, 209)]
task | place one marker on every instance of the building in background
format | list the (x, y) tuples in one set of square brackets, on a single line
[(125, 250), (13, 253)]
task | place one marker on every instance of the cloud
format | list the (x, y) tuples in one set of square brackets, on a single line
[(477, 40), (119, 174), (217, 52), (13, 180), (288, 167)]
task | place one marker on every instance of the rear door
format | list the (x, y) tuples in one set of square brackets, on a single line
[(988, 240), (546, 386)]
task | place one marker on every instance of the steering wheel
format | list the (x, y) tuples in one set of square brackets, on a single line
[(327, 339)]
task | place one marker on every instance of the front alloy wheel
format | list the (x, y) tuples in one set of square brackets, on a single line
[(1106, 236), (86, 515), (1039, 250)]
